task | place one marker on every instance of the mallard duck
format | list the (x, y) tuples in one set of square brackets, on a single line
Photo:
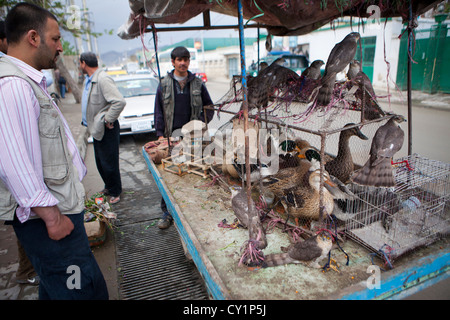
[(303, 201), (289, 151), (342, 166), (290, 177)]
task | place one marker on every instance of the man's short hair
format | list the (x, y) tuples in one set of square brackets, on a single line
[(24, 17), (180, 52), (89, 58)]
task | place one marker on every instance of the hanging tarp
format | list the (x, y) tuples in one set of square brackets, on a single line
[(279, 17)]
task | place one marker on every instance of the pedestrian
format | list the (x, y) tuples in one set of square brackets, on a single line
[(180, 98), (40, 166), (61, 82), (101, 105)]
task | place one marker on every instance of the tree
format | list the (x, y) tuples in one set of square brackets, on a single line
[(70, 19)]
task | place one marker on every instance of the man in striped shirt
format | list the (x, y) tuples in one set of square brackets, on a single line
[(48, 223)]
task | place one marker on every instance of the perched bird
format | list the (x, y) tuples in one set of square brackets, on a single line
[(342, 166), (387, 141), (308, 252), (313, 71), (239, 203), (274, 77), (372, 110), (340, 56)]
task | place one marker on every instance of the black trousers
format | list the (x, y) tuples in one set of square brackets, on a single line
[(107, 159)]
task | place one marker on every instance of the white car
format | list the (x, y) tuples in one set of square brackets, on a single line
[(139, 91)]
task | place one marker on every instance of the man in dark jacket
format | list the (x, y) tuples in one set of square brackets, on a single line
[(179, 99)]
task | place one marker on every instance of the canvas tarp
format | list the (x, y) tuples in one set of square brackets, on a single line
[(279, 17)]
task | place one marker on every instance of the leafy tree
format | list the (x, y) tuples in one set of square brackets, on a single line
[(70, 19)]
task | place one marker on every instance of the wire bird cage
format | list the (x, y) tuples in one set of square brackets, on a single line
[(394, 221), (295, 115)]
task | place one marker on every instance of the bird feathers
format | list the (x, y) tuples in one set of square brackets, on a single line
[(308, 252), (387, 141), (340, 56)]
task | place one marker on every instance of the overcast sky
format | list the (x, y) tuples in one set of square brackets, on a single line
[(111, 14)]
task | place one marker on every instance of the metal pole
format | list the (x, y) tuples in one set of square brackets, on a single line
[(410, 30), (245, 105), (156, 53), (257, 64)]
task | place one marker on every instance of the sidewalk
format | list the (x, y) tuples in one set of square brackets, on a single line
[(439, 101)]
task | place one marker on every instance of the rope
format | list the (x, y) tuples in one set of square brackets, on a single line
[(386, 256)]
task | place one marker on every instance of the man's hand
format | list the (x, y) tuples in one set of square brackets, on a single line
[(58, 225), (109, 125), (160, 137)]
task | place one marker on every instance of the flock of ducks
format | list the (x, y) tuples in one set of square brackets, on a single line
[(298, 186)]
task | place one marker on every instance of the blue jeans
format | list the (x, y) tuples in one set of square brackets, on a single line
[(54, 261)]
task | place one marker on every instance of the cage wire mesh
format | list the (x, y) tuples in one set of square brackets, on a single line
[(394, 221), (387, 221), (297, 118)]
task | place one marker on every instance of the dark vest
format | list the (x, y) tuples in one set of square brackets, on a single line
[(195, 86)]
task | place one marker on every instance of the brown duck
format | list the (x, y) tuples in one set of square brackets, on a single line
[(342, 166), (303, 201)]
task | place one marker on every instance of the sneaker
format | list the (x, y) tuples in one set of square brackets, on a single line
[(164, 223), (34, 281)]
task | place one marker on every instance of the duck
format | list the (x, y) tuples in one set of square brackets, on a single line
[(342, 166), (303, 200), (288, 154), (290, 177)]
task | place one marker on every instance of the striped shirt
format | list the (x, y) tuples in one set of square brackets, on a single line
[(20, 152)]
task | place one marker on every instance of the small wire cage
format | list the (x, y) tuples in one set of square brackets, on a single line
[(414, 213)]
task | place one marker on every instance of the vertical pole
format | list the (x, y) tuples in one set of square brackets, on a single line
[(410, 30), (257, 65), (244, 104), (156, 52)]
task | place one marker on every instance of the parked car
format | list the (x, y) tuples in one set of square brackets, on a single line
[(139, 91), (295, 62), (202, 76)]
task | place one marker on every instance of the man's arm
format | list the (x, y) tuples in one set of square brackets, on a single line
[(113, 97), (206, 102), (160, 125)]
